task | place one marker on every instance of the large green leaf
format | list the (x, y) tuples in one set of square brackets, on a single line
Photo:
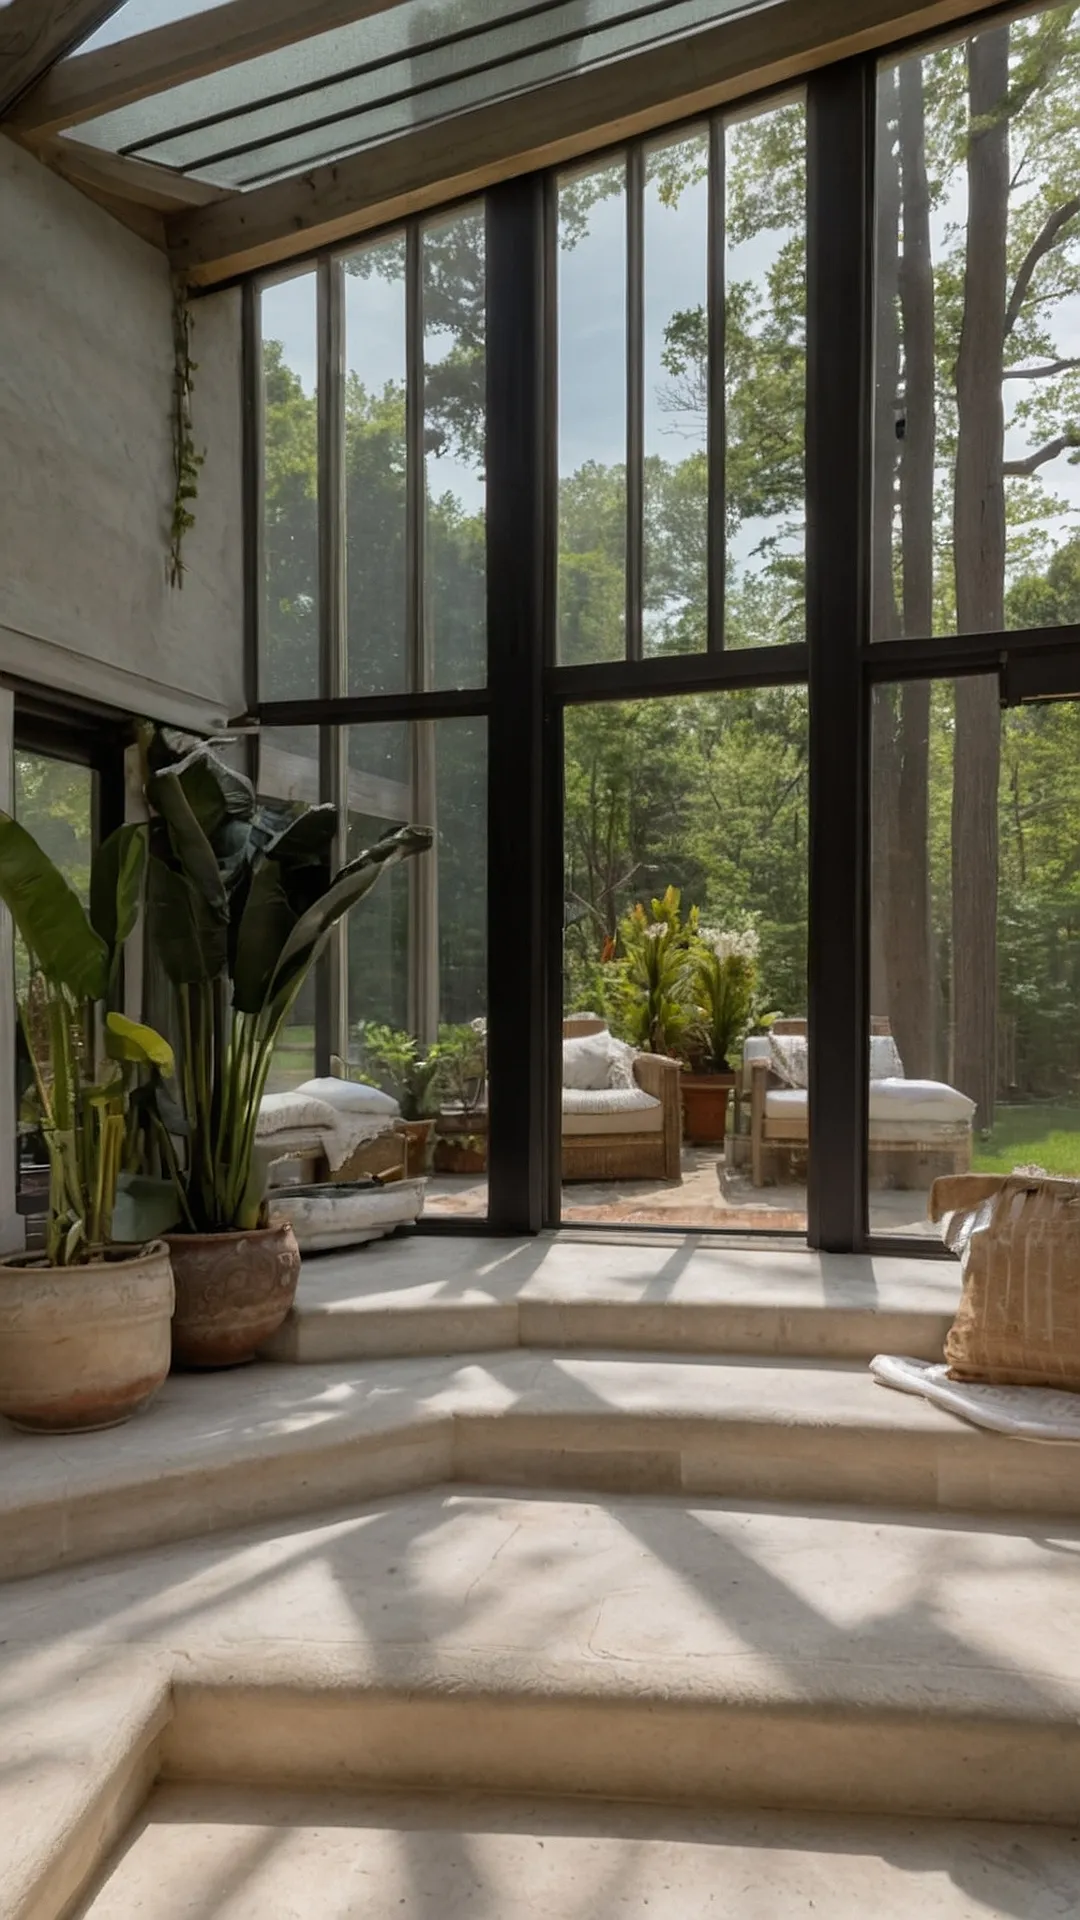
[(187, 838), (142, 1046), (188, 936), (306, 840), (215, 791), (348, 887), (50, 916), (267, 922), (115, 887)]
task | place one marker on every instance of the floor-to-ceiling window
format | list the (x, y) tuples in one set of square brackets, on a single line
[(975, 896), (669, 529), (372, 520)]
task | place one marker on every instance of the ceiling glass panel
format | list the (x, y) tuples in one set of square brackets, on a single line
[(140, 16), (422, 61)]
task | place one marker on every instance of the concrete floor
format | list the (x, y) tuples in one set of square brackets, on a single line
[(709, 1195), (228, 1854)]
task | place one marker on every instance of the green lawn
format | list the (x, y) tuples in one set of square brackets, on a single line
[(1038, 1135)]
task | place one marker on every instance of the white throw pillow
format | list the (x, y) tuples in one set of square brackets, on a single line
[(295, 1112), (350, 1096), (788, 1058), (885, 1061), (596, 1061)]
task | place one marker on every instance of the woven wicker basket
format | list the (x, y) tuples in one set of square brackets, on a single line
[(1018, 1238)]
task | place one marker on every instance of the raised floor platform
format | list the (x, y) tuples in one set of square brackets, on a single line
[(686, 1294), (645, 1530)]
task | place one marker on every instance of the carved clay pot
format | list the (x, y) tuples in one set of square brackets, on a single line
[(83, 1347), (233, 1290)]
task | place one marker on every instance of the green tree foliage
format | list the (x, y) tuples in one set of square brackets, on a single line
[(709, 794)]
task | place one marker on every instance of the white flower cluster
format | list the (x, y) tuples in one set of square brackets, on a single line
[(732, 946)]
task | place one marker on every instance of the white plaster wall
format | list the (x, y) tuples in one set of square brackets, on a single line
[(86, 463)]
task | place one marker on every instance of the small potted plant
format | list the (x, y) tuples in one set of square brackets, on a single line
[(84, 1324), (241, 901), (461, 1143), (407, 1070), (723, 984)]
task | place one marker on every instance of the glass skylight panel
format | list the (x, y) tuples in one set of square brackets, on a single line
[(337, 92), (142, 16)]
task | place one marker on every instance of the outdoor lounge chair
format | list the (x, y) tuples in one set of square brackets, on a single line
[(919, 1129), (614, 1133)]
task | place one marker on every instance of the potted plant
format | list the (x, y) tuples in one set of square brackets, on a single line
[(723, 984), (407, 1070), (84, 1324), (461, 1144), (241, 900)]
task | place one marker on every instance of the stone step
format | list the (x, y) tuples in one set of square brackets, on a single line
[(227, 1854), (438, 1296), (218, 1451), (624, 1648)]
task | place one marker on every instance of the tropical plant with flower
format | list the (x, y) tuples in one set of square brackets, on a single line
[(723, 985)]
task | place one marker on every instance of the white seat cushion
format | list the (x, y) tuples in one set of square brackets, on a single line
[(786, 1103), (918, 1100), (903, 1101), (351, 1096), (293, 1112), (611, 1110)]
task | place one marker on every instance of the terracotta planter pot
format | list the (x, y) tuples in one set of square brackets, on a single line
[(233, 1290), (417, 1134), (83, 1347), (705, 1106), (453, 1156)]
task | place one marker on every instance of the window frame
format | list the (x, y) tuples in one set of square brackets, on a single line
[(527, 691)]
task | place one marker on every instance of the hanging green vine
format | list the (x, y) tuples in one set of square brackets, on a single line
[(186, 460)]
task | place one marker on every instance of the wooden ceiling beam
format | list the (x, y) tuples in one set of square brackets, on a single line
[(35, 33), (766, 46), (148, 63), (139, 181)]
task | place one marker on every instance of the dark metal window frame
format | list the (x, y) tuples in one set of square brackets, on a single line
[(527, 692)]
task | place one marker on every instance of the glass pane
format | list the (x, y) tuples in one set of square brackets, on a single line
[(332, 93), (455, 300), (978, 392), (417, 965), (289, 770), (698, 805), (676, 395), (765, 377), (375, 467), (289, 642), (975, 961), (56, 801), (592, 415)]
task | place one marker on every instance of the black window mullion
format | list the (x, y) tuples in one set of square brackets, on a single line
[(717, 401), (635, 400), (840, 190), (331, 1008), (521, 1132), (415, 485)]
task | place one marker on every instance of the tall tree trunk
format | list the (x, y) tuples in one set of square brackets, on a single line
[(911, 997), (884, 614), (979, 550)]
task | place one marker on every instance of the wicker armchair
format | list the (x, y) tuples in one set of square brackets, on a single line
[(655, 1154)]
